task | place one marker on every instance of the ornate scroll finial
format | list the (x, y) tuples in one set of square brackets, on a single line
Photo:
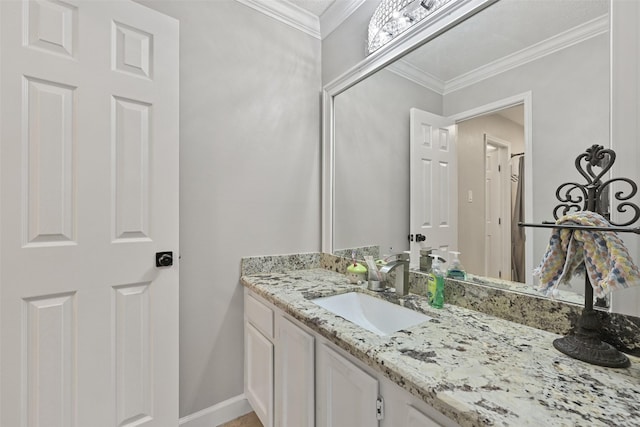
[(594, 164)]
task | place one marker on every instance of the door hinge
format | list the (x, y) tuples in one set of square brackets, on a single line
[(379, 408), (499, 168), (499, 221)]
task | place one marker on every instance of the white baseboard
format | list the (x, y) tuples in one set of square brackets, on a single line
[(215, 415)]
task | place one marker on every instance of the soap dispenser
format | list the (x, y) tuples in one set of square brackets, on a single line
[(435, 283), (456, 270)]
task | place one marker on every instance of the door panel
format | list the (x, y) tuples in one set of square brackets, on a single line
[(497, 209), (48, 155), (52, 26), (130, 158), (89, 190), (50, 340), (434, 183), (493, 229), (134, 386)]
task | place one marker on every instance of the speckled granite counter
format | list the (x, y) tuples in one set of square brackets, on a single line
[(476, 369), (500, 298)]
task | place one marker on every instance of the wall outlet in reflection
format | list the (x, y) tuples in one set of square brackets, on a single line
[(470, 196)]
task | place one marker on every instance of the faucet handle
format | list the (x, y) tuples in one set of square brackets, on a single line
[(402, 256)]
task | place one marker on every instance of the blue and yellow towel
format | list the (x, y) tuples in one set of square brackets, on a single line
[(605, 257)]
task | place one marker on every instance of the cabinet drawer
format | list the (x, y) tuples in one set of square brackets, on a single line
[(259, 315)]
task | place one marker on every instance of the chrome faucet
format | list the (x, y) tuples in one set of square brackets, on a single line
[(401, 266)]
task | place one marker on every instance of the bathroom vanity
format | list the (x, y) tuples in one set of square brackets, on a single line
[(307, 366), (294, 374)]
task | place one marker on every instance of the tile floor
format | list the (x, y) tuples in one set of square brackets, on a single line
[(249, 420)]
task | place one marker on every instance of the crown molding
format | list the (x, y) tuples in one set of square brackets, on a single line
[(287, 13), (416, 75), (554, 44), (307, 22), (336, 14)]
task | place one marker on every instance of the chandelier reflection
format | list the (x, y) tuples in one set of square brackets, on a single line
[(392, 17)]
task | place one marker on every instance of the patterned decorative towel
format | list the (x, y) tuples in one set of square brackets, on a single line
[(605, 257)]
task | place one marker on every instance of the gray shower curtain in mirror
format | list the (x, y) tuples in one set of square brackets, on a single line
[(517, 233)]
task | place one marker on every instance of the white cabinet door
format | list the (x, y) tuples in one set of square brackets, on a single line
[(346, 395), (416, 418), (259, 374), (294, 380), (89, 190)]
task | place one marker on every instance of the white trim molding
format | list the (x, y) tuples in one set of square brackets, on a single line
[(287, 13), (418, 76), (218, 414), (554, 44), (303, 20)]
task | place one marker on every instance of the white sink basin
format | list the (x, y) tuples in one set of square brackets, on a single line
[(374, 314)]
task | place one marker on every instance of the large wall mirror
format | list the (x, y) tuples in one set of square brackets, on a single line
[(527, 85)]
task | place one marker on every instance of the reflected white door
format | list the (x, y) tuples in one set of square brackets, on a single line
[(89, 191), (497, 209), (434, 183)]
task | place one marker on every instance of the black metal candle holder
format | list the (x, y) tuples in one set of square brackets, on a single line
[(594, 164)]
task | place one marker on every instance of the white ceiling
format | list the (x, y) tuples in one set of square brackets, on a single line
[(503, 29), (515, 114), (316, 7)]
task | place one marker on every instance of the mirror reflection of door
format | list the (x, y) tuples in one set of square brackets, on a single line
[(497, 206), (491, 146), (433, 184)]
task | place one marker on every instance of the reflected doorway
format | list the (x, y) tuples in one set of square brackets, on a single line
[(497, 205), (491, 186)]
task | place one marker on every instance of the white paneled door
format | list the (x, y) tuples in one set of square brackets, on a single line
[(497, 208), (434, 183), (89, 195)]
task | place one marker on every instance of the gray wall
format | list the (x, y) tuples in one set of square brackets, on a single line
[(570, 113), (372, 160), (346, 46), (249, 174)]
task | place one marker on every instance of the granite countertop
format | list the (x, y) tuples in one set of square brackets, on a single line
[(477, 369)]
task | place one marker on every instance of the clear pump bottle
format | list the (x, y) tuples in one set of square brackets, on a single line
[(435, 283), (456, 270)]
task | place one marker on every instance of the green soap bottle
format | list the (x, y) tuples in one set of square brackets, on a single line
[(435, 283)]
